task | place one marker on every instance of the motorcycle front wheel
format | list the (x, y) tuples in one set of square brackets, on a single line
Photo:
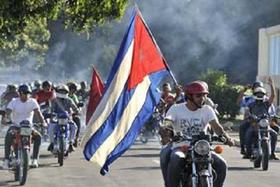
[(60, 155), (22, 167), (204, 181), (265, 156)]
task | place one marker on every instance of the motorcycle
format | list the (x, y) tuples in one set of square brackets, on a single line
[(262, 151), (20, 151), (151, 128), (61, 136), (198, 171)]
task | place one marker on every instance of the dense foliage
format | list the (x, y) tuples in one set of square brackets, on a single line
[(24, 24), (222, 93)]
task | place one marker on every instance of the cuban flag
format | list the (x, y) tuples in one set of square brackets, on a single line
[(129, 99)]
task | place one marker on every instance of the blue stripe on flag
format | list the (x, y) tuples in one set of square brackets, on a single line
[(109, 125), (129, 36), (152, 99)]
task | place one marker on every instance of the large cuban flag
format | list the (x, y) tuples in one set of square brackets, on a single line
[(129, 98)]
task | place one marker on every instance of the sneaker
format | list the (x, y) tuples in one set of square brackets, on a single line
[(6, 164), (273, 157), (34, 163), (242, 151), (246, 156), (50, 148), (75, 143), (71, 148)]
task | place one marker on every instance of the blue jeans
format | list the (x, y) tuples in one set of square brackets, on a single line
[(172, 164), (252, 139), (242, 132)]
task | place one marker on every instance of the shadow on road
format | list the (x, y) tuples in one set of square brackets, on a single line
[(142, 155), (49, 165), (47, 156), (240, 168), (7, 183), (144, 148), (141, 168)]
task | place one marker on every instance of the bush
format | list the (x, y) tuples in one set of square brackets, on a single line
[(222, 93)]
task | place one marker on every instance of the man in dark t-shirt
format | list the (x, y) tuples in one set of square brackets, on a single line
[(259, 108)]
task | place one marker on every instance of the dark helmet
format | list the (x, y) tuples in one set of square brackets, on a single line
[(83, 84), (12, 87), (197, 87), (257, 84), (25, 123), (46, 84), (24, 88), (37, 83), (166, 86), (72, 86)]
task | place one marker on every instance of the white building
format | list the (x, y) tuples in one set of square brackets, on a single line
[(269, 57)]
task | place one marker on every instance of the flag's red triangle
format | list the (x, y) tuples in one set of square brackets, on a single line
[(95, 94), (146, 58)]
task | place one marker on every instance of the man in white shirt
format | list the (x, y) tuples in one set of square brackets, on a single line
[(20, 109), (191, 118)]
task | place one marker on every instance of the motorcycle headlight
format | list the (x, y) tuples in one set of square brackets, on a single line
[(202, 147), (264, 123), (62, 121)]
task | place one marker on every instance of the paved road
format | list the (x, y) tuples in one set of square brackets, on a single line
[(139, 167)]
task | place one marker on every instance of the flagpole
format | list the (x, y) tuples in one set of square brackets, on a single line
[(150, 33)]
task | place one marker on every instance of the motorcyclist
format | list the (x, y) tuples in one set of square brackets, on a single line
[(36, 86), (185, 116), (259, 108), (46, 94), (44, 97), (61, 104), (10, 93), (20, 109), (83, 93), (244, 101), (167, 98), (76, 118)]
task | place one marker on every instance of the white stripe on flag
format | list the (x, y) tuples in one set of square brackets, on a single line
[(109, 100), (131, 111)]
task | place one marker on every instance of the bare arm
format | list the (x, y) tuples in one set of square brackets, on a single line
[(272, 96), (8, 115), (219, 130), (241, 95), (38, 113)]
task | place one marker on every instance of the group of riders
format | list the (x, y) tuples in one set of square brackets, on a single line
[(191, 107), (37, 102), (190, 110)]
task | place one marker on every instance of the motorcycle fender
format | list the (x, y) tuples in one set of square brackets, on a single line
[(204, 173), (180, 154)]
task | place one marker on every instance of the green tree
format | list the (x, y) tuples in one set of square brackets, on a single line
[(221, 92), (24, 24)]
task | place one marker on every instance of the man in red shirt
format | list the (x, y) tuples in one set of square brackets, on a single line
[(46, 94)]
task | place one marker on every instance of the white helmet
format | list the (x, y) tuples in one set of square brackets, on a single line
[(257, 91)]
